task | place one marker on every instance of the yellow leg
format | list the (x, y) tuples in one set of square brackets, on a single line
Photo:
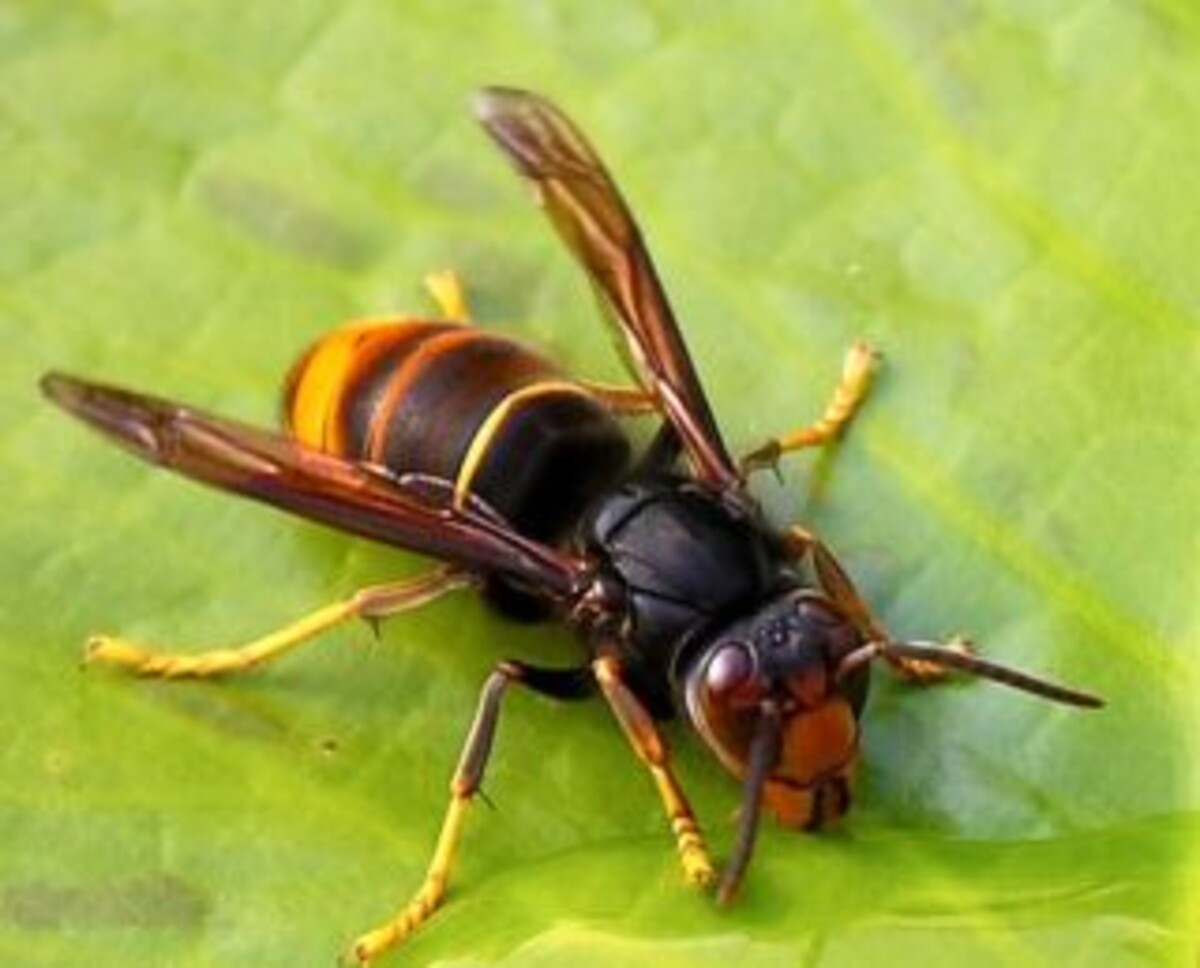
[(834, 581), (371, 944), (565, 684), (648, 743), (922, 671), (798, 544), (848, 396), (447, 291), (376, 602)]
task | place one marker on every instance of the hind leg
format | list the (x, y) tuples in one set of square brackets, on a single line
[(373, 604)]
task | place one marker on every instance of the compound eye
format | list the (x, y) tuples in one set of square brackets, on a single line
[(732, 666)]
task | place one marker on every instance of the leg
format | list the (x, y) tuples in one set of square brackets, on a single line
[(925, 671), (557, 683), (847, 398), (376, 602), (648, 743), (921, 662), (837, 585), (447, 291)]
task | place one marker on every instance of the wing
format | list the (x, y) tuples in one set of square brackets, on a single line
[(591, 216), (279, 471)]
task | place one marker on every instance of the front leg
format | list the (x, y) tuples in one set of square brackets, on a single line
[(831, 576), (643, 735)]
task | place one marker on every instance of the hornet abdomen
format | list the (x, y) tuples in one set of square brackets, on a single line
[(473, 408)]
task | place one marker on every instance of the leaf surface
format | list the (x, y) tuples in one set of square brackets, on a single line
[(1000, 195)]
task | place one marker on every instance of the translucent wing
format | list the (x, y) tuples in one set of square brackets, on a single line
[(593, 219), (277, 470)]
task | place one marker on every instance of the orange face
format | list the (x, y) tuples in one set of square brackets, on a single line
[(810, 785), (809, 782)]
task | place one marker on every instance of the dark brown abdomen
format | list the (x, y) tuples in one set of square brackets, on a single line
[(475, 409)]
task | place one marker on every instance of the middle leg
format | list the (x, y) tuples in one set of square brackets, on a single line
[(848, 396), (575, 683)]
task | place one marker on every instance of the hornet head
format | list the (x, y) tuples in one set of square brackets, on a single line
[(777, 695)]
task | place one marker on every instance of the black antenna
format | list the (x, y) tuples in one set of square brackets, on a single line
[(970, 664), (764, 752)]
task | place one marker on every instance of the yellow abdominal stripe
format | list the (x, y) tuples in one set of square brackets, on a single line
[(484, 435), (322, 383)]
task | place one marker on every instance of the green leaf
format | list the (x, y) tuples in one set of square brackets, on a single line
[(1000, 195)]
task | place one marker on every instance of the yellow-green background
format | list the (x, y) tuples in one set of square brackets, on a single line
[(1004, 196)]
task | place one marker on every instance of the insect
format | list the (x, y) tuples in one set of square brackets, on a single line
[(466, 446)]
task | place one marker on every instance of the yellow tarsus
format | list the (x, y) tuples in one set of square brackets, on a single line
[(857, 372), (429, 896), (447, 291), (141, 661), (374, 602), (643, 735), (697, 865)]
